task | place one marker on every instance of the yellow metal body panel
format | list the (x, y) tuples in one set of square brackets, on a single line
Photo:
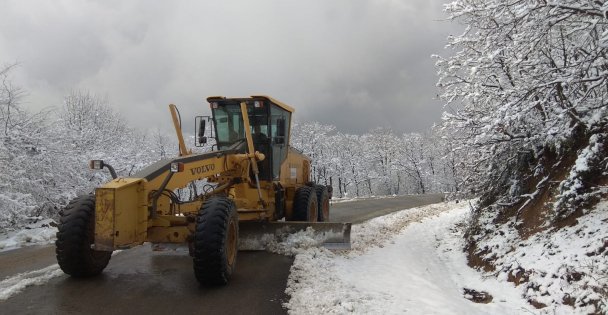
[(245, 196), (201, 169), (295, 172), (120, 214), (170, 234)]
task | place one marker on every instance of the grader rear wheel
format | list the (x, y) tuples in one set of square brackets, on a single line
[(74, 239), (305, 205), (323, 202), (216, 241)]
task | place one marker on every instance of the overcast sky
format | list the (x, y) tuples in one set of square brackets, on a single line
[(353, 64)]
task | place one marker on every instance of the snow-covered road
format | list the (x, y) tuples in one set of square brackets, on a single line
[(407, 262)]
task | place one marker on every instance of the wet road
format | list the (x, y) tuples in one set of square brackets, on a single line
[(363, 210), (139, 281)]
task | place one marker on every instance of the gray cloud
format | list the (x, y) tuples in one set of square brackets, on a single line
[(354, 64)]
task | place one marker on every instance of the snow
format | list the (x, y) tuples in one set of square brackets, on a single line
[(351, 199), (38, 233), (412, 261), (16, 284), (406, 262), (286, 242), (560, 265)]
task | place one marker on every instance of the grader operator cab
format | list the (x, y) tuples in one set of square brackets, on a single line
[(255, 186)]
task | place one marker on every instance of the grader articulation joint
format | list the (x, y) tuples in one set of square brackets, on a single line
[(254, 184)]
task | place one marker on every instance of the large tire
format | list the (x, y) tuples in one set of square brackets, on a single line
[(74, 239), (323, 203), (305, 206), (216, 241)]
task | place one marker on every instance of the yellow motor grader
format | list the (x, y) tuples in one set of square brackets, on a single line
[(254, 185)]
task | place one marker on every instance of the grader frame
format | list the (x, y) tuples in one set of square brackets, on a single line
[(256, 179)]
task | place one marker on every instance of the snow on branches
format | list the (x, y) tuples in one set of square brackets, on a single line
[(528, 79), (44, 155)]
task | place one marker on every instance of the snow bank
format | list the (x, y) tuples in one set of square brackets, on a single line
[(397, 266), (557, 269), (351, 199), (39, 233)]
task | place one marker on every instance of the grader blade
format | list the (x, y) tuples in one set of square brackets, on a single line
[(261, 235)]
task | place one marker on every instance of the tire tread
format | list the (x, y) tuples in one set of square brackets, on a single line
[(74, 238), (210, 261)]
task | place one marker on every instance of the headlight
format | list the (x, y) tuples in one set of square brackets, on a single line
[(177, 167), (96, 164)]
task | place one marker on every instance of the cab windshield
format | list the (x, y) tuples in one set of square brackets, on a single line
[(230, 127)]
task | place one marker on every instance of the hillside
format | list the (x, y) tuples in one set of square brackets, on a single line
[(526, 92)]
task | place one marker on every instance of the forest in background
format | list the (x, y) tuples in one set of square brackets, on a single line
[(44, 155)]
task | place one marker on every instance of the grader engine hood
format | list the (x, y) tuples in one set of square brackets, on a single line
[(123, 213)]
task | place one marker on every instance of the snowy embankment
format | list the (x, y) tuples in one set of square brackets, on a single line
[(407, 262), (38, 233), (557, 268)]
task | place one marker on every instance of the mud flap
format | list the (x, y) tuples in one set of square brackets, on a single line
[(257, 235)]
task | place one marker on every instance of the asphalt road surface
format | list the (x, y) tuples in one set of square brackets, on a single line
[(139, 281)]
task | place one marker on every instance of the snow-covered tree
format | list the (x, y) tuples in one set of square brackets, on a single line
[(375, 163), (44, 156), (528, 86), (526, 91), (413, 161), (20, 150)]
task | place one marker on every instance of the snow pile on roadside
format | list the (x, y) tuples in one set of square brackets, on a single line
[(39, 233), (373, 233), (351, 199), (16, 284), (397, 266), (377, 231), (285, 242), (556, 270), (342, 200), (316, 288)]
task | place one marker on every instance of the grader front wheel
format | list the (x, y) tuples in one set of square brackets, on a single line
[(216, 241), (75, 237)]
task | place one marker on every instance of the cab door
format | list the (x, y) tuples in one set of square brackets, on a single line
[(279, 131)]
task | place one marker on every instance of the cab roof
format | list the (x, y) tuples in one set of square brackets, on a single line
[(252, 98)]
